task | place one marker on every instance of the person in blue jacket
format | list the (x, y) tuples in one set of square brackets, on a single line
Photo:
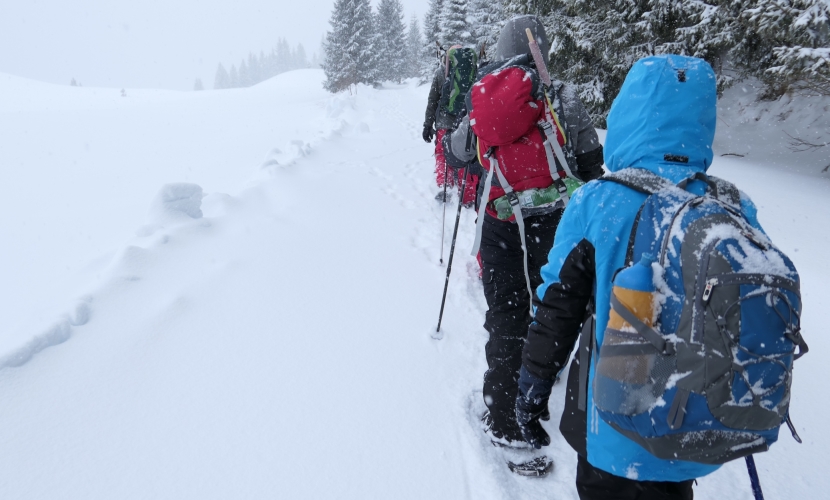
[(663, 120)]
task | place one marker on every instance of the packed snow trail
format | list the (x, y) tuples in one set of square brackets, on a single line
[(279, 346)]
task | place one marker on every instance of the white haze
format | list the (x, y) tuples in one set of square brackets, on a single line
[(153, 43)]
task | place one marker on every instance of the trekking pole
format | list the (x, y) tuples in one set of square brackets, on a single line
[(452, 251), (753, 477), (444, 217)]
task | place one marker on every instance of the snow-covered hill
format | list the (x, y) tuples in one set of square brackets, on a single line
[(279, 345)]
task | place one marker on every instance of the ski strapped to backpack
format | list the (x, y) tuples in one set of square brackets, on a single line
[(696, 361)]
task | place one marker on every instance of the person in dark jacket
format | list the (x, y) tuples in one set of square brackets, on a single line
[(505, 283), (436, 123), (655, 115)]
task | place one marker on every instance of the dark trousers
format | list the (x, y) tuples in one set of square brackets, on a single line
[(596, 484), (508, 308)]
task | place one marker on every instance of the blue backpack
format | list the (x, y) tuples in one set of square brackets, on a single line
[(710, 381)]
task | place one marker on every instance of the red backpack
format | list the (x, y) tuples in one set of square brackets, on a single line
[(517, 129), (521, 137)]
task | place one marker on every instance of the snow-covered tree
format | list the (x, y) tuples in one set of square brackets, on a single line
[(73, 83), (233, 78), (453, 22), (283, 56), (349, 53), (522, 7), (222, 79), (197, 85), (391, 41), (792, 40), (432, 35), (595, 42), (300, 59), (244, 74), (486, 19), (415, 60), (253, 70), (432, 22), (593, 45)]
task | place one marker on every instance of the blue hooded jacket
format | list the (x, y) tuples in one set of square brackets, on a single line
[(663, 120)]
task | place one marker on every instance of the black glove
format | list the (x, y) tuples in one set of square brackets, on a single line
[(531, 405), (429, 133)]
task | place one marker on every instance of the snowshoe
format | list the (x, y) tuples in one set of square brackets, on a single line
[(536, 467), (518, 454)]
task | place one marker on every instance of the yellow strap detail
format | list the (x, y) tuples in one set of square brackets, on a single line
[(556, 119)]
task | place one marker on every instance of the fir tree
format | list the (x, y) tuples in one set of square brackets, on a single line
[(283, 56), (253, 70), (244, 77), (349, 54), (432, 35), (197, 85), (486, 20), (300, 59), (453, 23), (792, 45), (415, 60), (233, 78), (593, 45), (523, 7), (222, 79), (73, 83), (432, 22), (391, 41)]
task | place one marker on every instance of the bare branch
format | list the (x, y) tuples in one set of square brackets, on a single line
[(799, 145)]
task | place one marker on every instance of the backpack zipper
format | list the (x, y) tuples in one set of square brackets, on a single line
[(707, 292)]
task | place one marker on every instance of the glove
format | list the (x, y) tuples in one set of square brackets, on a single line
[(429, 133), (531, 405)]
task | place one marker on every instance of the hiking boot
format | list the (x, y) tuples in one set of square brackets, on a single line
[(503, 438)]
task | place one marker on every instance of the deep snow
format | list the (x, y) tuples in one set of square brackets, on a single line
[(279, 344)]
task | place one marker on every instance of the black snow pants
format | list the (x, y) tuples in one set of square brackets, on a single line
[(596, 484), (508, 308)]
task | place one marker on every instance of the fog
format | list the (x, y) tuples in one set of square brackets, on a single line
[(153, 43)]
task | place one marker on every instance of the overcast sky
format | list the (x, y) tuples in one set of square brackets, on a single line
[(153, 43)]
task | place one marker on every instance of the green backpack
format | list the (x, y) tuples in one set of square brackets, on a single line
[(461, 74)]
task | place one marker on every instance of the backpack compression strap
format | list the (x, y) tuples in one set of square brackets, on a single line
[(552, 148), (639, 179), (647, 182), (517, 213), (485, 199)]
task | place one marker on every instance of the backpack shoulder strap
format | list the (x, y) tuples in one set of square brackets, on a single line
[(721, 190), (639, 179), (643, 181), (726, 192)]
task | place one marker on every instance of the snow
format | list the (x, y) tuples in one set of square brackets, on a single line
[(279, 345)]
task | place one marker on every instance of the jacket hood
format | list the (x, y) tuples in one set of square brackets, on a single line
[(513, 39), (664, 116)]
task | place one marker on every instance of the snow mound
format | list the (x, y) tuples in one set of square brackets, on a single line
[(177, 201)]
